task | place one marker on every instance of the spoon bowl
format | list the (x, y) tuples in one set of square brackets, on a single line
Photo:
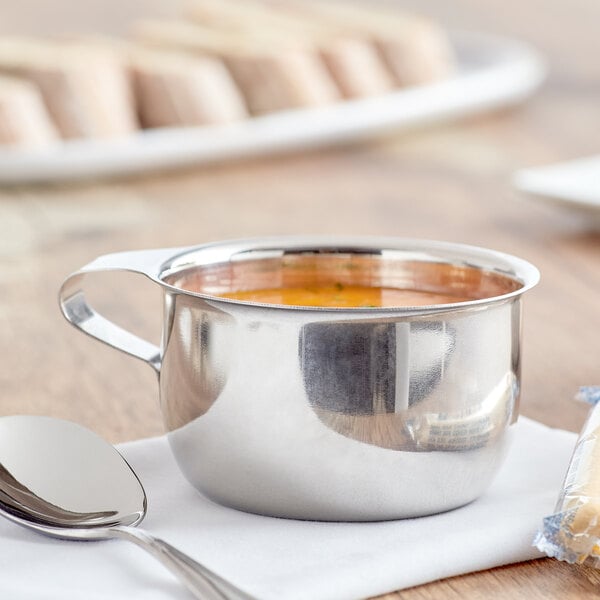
[(62, 480)]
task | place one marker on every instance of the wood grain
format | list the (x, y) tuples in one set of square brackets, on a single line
[(450, 182)]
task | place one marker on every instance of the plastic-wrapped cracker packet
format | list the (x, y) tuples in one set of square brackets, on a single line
[(572, 533)]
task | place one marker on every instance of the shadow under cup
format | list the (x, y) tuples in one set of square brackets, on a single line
[(342, 414)]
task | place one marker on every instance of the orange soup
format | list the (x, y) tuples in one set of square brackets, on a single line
[(344, 296)]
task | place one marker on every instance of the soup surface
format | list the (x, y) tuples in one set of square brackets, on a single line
[(344, 296)]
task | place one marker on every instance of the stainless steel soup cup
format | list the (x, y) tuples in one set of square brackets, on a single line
[(325, 413)]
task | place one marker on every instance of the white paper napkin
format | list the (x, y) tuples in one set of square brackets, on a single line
[(276, 558)]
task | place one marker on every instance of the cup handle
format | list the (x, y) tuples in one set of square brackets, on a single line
[(82, 315)]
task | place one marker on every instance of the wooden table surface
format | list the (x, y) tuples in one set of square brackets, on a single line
[(448, 182)]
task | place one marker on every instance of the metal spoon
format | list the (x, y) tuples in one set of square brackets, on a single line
[(63, 480)]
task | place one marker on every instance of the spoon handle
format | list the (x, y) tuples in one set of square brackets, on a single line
[(199, 580)]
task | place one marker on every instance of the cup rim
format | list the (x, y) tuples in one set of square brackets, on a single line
[(434, 251)]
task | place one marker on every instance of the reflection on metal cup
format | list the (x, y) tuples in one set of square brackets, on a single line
[(331, 413)]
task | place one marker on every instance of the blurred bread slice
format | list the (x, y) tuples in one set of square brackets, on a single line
[(415, 49), (419, 54), (352, 60), (24, 120), (356, 67), (85, 88), (173, 88), (271, 73), (176, 89)]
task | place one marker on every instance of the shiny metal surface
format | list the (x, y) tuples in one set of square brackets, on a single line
[(331, 414), (62, 480)]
